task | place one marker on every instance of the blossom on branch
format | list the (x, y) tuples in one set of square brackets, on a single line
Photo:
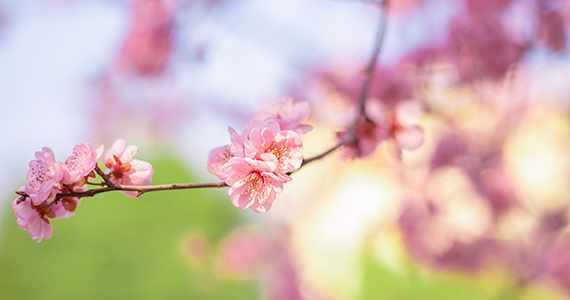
[(124, 170), (44, 177), (35, 218), (259, 161), (81, 164), (253, 183)]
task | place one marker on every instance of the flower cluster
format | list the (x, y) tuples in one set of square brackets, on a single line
[(38, 201), (377, 126), (260, 159)]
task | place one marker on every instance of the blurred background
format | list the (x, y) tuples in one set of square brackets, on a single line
[(480, 211)]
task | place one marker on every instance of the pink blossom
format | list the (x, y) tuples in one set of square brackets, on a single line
[(221, 155), (123, 169), (33, 219), (253, 183), (217, 159), (404, 130), (81, 164), (370, 131), (288, 114), (44, 177), (285, 145)]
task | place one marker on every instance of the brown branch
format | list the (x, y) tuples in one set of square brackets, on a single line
[(369, 71), (142, 189), (105, 177)]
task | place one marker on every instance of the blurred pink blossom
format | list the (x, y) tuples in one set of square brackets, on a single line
[(403, 129), (480, 47), (288, 114), (44, 177), (123, 169), (148, 45)]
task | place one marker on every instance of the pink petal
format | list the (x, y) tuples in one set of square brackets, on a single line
[(408, 113), (410, 138), (130, 151), (99, 151), (140, 174)]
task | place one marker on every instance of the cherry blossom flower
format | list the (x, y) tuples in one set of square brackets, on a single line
[(221, 155), (288, 114), (43, 177), (123, 169), (285, 145), (33, 219), (253, 183), (81, 164)]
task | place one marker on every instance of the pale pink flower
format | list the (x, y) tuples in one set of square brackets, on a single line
[(44, 177), (33, 219), (253, 182), (221, 155), (404, 130), (289, 114), (217, 159), (285, 145), (81, 164), (123, 169)]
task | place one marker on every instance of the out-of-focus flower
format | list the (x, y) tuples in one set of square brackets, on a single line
[(371, 129), (44, 177), (479, 47), (148, 46), (552, 30), (243, 251), (288, 114), (81, 164), (253, 183), (403, 128), (123, 169)]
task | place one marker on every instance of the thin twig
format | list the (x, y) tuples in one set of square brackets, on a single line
[(368, 76), (142, 189), (105, 177), (320, 156), (369, 71)]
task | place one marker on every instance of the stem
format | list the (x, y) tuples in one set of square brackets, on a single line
[(320, 156), (369, 71), (105, 177), (141, 189), (368, 76)]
